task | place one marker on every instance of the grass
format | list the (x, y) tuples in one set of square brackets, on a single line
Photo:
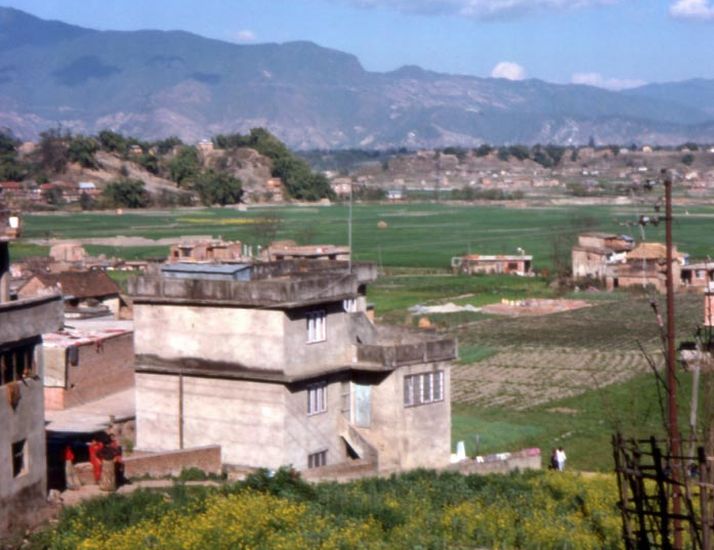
[(583, 425), (417, 235)]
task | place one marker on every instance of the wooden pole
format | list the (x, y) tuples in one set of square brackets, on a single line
[(674, 438)]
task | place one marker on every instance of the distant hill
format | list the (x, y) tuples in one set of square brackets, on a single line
[(153, 84)]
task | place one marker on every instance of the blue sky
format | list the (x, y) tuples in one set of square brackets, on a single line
[(610, 43)]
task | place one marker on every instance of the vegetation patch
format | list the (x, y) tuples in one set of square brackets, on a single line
[(421, 509)]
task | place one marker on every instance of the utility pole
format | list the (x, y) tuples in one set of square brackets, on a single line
[(349, 232), (674, 439)]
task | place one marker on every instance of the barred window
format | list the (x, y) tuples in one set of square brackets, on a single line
[(420, 389)]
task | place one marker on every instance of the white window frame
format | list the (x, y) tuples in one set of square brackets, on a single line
[(317, 459), (317, 398), (350, 305), (423, 388), (316, 326)]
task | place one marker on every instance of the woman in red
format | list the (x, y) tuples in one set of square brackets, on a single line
[(94, 447)]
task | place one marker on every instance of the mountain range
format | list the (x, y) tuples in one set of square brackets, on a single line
[(153, 84)]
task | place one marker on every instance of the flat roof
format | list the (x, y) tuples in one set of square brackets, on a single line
[(208, 268)]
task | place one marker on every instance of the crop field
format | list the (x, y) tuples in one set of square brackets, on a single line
[(416, 235)]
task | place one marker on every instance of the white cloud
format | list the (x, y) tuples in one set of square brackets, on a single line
[(509, 71), (692, 9), (478, 8), (596, 79), (246, 35)]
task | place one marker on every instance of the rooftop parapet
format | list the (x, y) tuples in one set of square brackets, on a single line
[(272, 284), (22, 319)]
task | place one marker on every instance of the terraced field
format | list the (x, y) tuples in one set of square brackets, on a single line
[(537, 360), (521, 378)]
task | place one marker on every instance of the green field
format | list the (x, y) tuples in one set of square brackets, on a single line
[(417, 235), (569, 378)]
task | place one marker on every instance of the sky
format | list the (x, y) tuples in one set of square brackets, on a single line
[(608, 43)]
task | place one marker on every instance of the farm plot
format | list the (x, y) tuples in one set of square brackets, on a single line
[(524, 377), (537, 360)]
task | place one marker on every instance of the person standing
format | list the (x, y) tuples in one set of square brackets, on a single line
[(560, 458), (95, 446), (70, 474)]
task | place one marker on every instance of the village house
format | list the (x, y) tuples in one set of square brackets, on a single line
[(646, 265), (288, 250), (88, 188), (87, 362), (472, 264), (595, 253), (23, 469), (285, 368), (697, 275), (207, 250), (86, 293)]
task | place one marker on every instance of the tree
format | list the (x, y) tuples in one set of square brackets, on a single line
[(86, 202), (53, 150), (81, 150), (126, 193), (113, 142), (164, 146), (53, 196), (217, 188), (688, 159), (149, 162), (184, 166), (265, 229), (483, 150)]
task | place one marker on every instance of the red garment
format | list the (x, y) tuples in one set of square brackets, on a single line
[(94, 448), (68, 454)]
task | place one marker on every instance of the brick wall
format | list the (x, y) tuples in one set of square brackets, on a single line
[(104, 368), (169, 463)]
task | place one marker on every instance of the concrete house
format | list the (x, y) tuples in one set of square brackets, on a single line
[(284, 367), (502, 265), (23, 469), (595, 253)]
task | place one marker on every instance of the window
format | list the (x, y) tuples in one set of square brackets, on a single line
[(316, 322), (19, 458), (350, 305), (420, 389), (315, 460), (345, 399), (317, 398), (16, 363)]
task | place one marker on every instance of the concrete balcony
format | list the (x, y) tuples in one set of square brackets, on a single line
[(408, 353)]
